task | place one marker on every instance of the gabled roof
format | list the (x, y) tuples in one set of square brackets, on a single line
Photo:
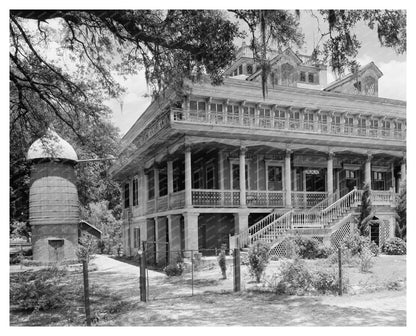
[(352, 76), (288, 52)]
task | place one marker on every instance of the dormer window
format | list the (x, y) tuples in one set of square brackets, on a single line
[(310, 78), (369, 86), (288, 74)]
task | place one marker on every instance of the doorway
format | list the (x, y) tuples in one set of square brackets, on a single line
[(56, 249)]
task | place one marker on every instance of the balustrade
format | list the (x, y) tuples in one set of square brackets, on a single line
[(307, 199), (215, 198), (268, 122)]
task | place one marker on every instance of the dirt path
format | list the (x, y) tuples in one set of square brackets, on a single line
[(383, 308)]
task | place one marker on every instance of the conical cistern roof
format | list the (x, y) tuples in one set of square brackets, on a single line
[(51, 146)]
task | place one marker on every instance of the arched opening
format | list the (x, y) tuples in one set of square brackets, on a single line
[(375, 230)]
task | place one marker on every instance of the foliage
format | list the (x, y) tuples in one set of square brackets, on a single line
[(309, 248), (394, 246), (100, 215), (340, 44), (347, 258), (357, 243), (39, 290), (86, 248), (258, 258), (401, 209), (295, 278), (326, 281), (222, 261), (367, 212), (20, 230), (366, 258), (173, 269)]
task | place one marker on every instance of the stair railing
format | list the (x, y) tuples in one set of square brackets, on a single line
[(275, 229), (339, 208)]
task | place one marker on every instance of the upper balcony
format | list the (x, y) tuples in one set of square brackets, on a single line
[(296, 122)]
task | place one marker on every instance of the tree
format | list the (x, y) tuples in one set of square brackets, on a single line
[(367, 212), (401, 209)]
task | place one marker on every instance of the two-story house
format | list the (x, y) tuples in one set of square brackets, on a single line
[(223, 163)]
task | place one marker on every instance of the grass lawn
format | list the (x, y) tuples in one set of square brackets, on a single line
[(376, 298)]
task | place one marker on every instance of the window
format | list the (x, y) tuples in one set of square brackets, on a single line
[(311, 78), (362, 126), (370, 86), (240, 69), (288, 75), (264, 118), (197, 105), (233, 113), (249, 69), (135, 192), (216, 112), (197, 179), (386, 127), (308, 121), (178, 175), (373, 127), (274, 178), (215, 107), (350, 174), (136, 237), (151, 185), (378, 181), (210, 176), (294, 120), (236, 176), (323, 122), (126, 195), (302, 76), (249, 115), (348, 125), (336, 124), (163, 181)]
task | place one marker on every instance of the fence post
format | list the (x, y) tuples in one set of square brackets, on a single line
[(86, 291), (143, 289), (192, 266), (237, 270), (340, 271)]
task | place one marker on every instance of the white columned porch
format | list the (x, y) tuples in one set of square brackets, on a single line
[(288, 180), (243, 203), (330, 173), (367, 172), (188, 177)]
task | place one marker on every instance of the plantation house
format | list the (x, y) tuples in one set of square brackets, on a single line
[(221, 164)]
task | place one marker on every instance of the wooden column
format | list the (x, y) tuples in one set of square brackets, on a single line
[(288, 181), (191, 230), (221, 169), (156, 183), (243, 177), (403, 170), (330, 173), (367, 171), (188, 177)]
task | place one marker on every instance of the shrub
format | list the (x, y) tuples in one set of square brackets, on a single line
[(324, 251), (40, 290), (307, 248), (347, 259), (394, 246), (366, 258), (258, 258), (174, 269), (295, 278), (326, 281), (356, 243)]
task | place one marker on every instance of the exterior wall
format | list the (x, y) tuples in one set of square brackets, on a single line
[(53, 211), (214, 229), (43, 251)]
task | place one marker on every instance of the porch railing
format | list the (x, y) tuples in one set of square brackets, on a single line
[(260, 198), (215, 198), (307, 199), (297, 125)]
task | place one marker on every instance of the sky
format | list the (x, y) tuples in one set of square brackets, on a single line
[(391, 85)]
